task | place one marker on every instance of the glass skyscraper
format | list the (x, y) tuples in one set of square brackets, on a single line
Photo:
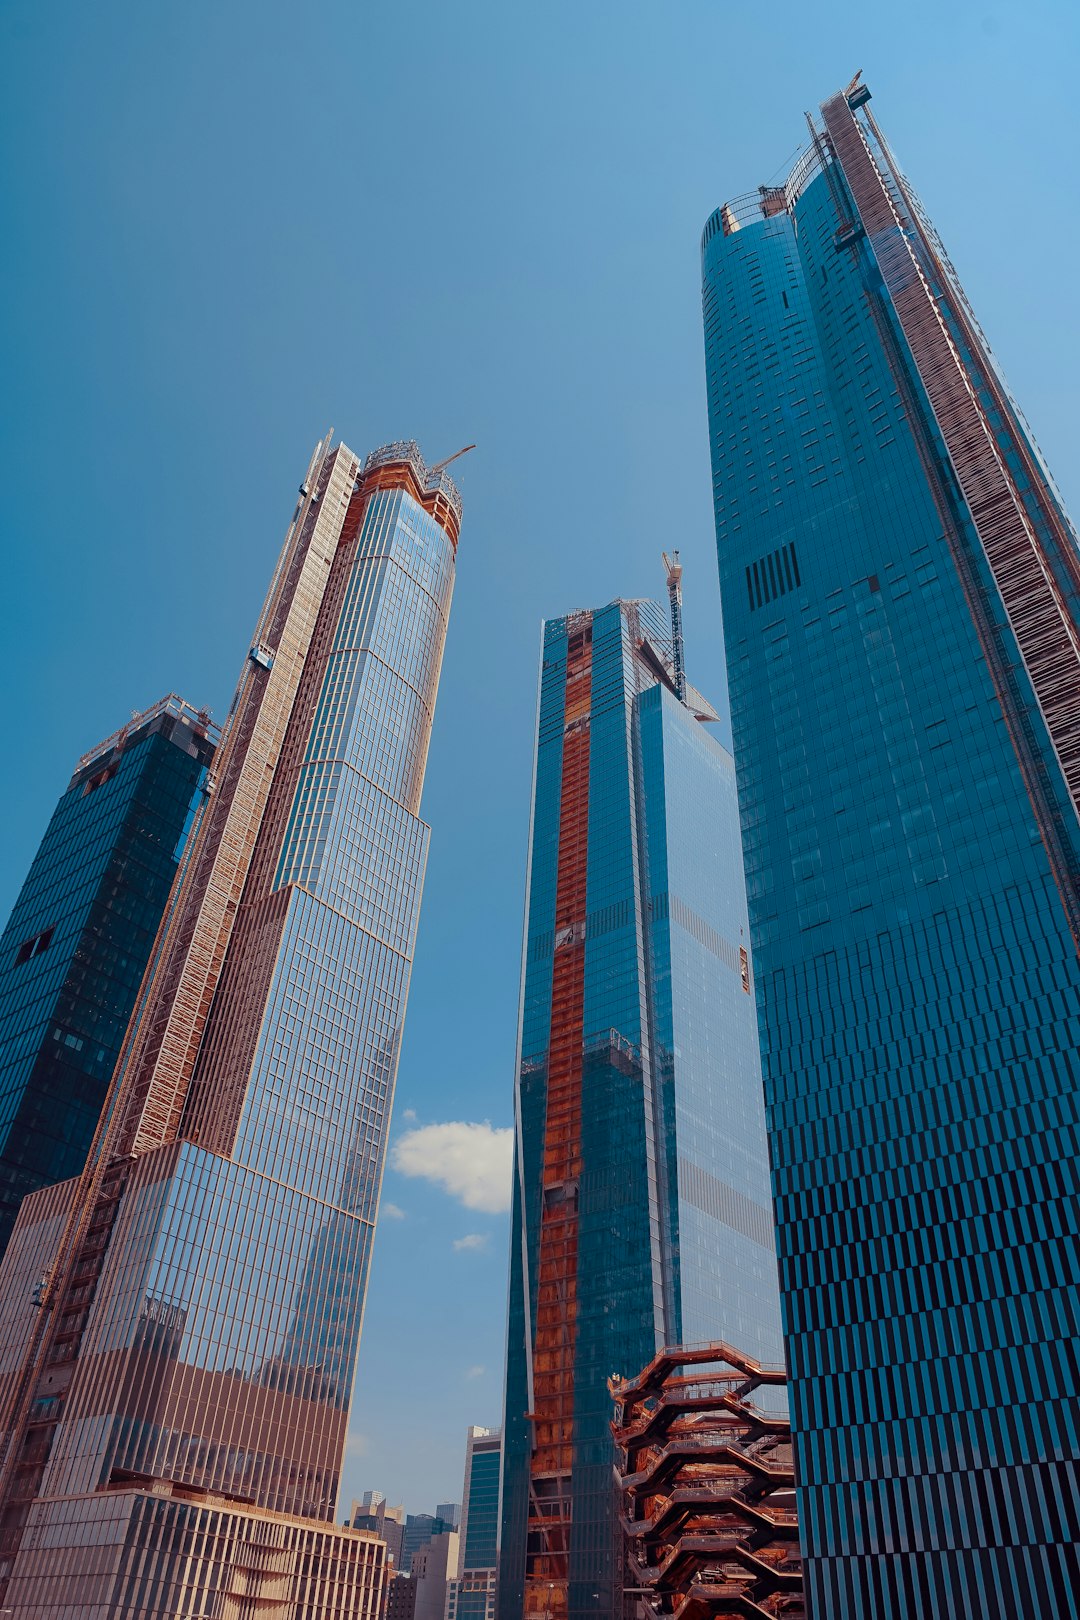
[(79, 936), (901, 597), (641, 1196), (177, 1400), (474, 1598)]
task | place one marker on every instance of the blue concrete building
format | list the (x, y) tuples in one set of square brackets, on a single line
[(900, 596)]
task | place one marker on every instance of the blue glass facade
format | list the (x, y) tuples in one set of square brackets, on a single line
[(475, 1597), (911, 851), (207, 1325), (79, 937), (641, 1184)]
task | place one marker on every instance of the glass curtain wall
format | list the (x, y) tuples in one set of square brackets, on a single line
[(641, 1199), (911, 855)]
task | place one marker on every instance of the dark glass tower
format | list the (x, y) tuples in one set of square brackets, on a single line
[(900, 591), (79, 938), (641, 1198)]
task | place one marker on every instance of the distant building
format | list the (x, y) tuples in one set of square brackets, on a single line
[(418, 1531), (79, 937), (474, 1595), (373, 1512), (400, 1599), (449, 1513), (434, 1567)]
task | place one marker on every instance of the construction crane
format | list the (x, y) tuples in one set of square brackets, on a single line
[(673, 568), (439, 465)]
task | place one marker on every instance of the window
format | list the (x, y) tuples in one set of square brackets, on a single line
[(101, 778), (33, 947)]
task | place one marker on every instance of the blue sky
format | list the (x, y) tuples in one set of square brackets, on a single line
[(231, 225)]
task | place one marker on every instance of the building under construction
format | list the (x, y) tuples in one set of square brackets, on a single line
[(641, 1200), (707, 1489), (179, 1326), (901, 595)]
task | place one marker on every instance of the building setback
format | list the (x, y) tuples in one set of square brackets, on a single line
[(901, 596), (79, 938), (641, 1197), (203, 1283)]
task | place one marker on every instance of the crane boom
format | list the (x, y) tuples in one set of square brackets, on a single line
[(439, 465)]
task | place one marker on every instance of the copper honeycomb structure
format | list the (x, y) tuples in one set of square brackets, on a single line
[(707, 1487)]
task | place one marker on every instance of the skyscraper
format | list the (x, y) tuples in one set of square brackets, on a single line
[(190, 1365), (901, 591), (79, 936), (641, 1197), (479, 1526)]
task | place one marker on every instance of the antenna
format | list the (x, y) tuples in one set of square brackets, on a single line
[(439, 465), (673, 568)]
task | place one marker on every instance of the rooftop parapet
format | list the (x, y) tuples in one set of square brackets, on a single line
[(767, 201)]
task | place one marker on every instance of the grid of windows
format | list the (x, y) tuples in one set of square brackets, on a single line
[(918, 988), (140, 1557), (670, 1092), (74, 950), (219, 1349)]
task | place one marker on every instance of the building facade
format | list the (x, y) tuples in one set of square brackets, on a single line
[(419, 1528), (202, 1285), (79, 937), (900, 592), (374, 1513), (400, 1601), (434, 1568), (478, 1566), (641, 1198)]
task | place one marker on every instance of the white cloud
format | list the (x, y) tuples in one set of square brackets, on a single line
[(472, 1240), (410, 1113), (471, 1162), (476, 1372), (394, 1211)]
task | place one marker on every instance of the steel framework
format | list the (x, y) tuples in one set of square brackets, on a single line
[(547, 1557), (708, 1489)]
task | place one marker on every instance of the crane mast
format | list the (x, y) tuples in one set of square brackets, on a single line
[(673, 568)]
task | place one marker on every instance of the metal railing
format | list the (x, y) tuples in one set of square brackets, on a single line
[(408, 450), (198, 719)]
